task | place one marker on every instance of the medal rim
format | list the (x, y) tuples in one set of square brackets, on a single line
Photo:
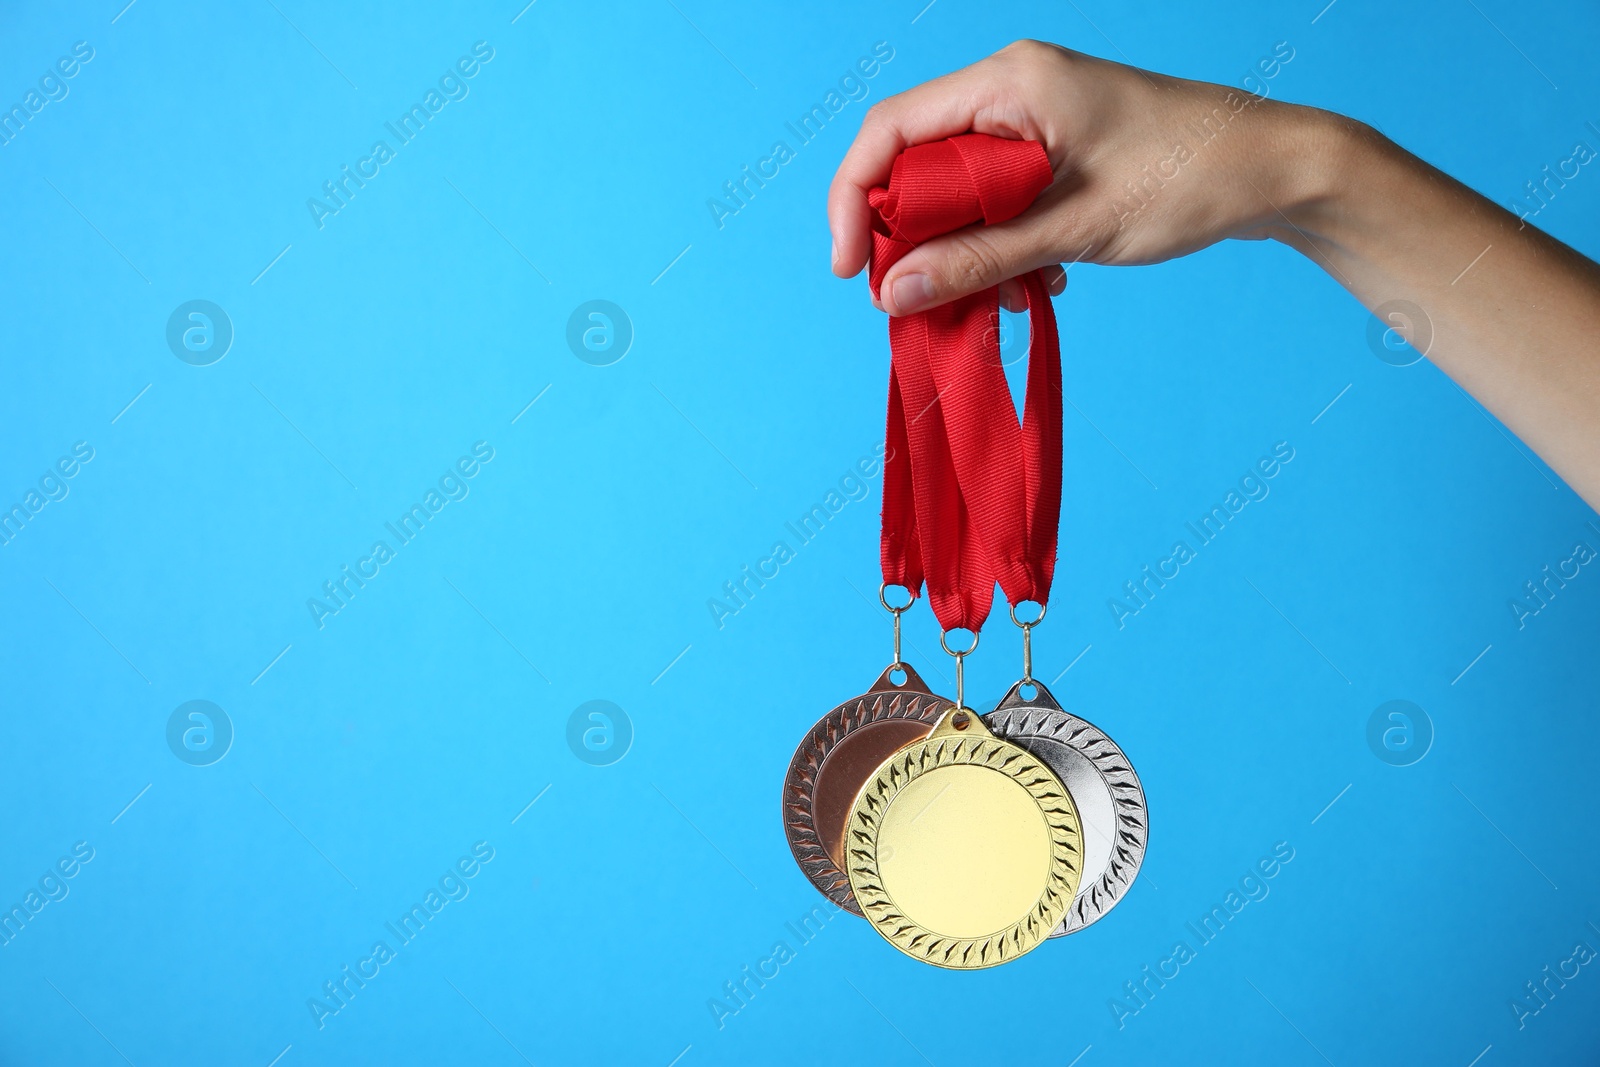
[(1013, 720), (882, 701), (1030, 772)]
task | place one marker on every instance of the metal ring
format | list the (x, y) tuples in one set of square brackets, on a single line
[(1042, 609), (884, 588), (951, 652)]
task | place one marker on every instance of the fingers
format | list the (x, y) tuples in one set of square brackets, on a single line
[(934, 110), (1014, 298), (972, 260), (1055, 279), (998, 95)]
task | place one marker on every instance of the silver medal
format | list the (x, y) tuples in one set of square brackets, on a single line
[(1103, 784)]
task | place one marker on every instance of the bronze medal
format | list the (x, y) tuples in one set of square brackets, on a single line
[(837, 756)]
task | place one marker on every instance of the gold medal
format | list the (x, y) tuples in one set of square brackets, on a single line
[(964, 850)]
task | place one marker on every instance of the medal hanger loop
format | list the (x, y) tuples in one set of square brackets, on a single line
[(911, 598), (1027, 643), (959, 657)]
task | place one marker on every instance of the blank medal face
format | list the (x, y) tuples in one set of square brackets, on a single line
[(837, 755), (1104, 786), (970, 850), (963, 850)]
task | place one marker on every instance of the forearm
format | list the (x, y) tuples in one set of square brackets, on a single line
[(1514, 314)]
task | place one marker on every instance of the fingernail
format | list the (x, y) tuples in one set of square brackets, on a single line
[(833, 256), (912, 292)]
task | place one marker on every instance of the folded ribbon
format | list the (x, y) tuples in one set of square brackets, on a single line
[(970, 496)]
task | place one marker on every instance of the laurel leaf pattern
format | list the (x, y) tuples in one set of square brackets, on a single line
[(799, 785), (1130, 834), (1061, 820)]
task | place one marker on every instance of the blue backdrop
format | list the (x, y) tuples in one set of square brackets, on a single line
[(395, 347)]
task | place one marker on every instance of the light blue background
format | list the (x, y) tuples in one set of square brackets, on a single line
[(426, 715)]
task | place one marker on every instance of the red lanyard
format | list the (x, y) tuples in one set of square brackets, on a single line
[(970, 496)]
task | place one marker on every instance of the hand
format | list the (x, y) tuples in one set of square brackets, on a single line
[(1147, 168)]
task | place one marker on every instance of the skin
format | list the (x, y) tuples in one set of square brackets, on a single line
[(1517, 326)]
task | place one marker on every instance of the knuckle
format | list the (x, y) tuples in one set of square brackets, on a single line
[(880, 112), (1032, 54), (971, 264), (1024, 46)]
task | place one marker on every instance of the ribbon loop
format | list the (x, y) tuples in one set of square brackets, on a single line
[(938, 188)]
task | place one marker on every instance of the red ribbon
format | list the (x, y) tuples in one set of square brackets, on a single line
[(970, 496)]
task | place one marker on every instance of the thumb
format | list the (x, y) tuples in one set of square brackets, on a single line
[(964, 262)]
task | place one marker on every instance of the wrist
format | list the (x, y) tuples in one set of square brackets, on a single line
[(1331, 163)]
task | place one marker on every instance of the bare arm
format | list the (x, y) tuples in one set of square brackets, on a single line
[(1514, 313), (1149, 168)]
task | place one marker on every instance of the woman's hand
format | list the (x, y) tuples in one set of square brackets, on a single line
[(1147, 168)]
